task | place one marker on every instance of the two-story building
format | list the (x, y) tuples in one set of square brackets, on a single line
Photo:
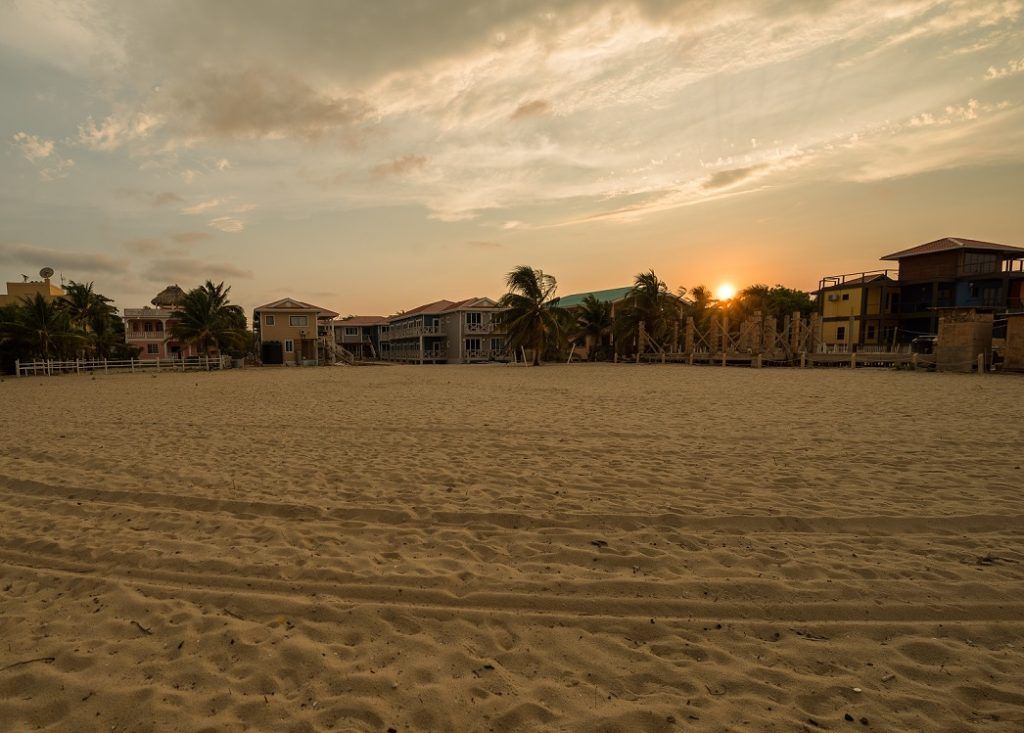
[(290, 331), (360, 335), (858, 309), (954, 272), (445, 332), (149, 328)]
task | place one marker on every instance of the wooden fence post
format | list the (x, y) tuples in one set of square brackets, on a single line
[(132, 360), (803, 359), (104, 366), (981, 363), (17, 367)]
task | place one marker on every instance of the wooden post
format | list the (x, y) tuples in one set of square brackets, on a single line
[(104, 365), (853, 360), (78, 366), (17, 367), (725, 336), (803, 359), (691, 358), (158, 363), (913, 361), (132, 360), (981, 363), (757, 361), (688, 336)]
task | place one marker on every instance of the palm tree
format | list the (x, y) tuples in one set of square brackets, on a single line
[(84, 305), (594, 320), (42, 327), (700, 304), (206, 318), (649, 303), (530, 313)]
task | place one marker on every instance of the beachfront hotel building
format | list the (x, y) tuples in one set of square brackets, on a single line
[(954, 272), (445, 332), (858, 309), (148, 329), (360, 335), (290, 331)]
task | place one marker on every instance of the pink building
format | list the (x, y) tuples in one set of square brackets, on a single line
[(149, 329)]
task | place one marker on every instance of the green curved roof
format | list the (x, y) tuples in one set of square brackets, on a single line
[(607, 296)]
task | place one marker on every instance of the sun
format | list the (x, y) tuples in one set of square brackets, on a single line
[(725, 291)]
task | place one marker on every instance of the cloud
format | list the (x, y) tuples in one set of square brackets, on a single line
[(167, 197), (41, 151), (400, 166), (191, 237), (1014, 67), (483, 244), (532, 108), (723, 179), (35, 256), (262, 104), (33, 148), (143, 246), (202, 206), (187, 268), (227, 224), (117, 129)]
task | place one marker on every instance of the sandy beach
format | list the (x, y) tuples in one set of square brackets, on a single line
[(588, 548)]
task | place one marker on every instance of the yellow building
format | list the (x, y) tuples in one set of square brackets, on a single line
[(29, 289), (858, 310), (290, 331)]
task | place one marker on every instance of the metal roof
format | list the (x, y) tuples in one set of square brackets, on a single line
[(947, 244), (606, 296)]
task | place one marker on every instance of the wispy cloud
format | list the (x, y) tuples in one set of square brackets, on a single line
[(227, 224), (36, 256), (1014, 67), (202, 206), (191, 237), (400, 166), (187, 268), (42, 152), (532, 108), (117, 129)]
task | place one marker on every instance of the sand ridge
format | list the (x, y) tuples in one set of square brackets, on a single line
[(587, 548)]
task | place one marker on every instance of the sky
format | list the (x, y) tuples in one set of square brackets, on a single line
[(372, 156)]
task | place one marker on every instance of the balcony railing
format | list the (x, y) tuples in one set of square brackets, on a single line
[(484, 354), (146, 335)]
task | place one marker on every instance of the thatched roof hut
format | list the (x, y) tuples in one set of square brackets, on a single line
[(169, 297)]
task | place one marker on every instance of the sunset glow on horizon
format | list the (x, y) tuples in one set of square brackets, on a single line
[(725, 291)]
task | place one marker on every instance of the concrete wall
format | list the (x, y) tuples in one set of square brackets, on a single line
[(963, 334), (1013, 353)]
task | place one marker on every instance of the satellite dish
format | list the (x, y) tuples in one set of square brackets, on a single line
[(46, 273)]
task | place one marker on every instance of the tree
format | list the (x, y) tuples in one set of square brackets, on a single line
[(700, 304), (207, 320), (40, 328), (83, 305), (649, 303), (594, 321), (530, 314)]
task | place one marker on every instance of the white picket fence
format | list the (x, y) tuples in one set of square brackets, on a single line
[(49, 367)]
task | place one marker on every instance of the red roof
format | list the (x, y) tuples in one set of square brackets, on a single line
[(947, 244)]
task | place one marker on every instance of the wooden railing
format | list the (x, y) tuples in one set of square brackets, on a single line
[(50, 367)]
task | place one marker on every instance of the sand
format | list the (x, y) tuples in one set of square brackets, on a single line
[(587, 548)]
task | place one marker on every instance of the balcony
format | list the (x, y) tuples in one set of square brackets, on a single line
[(146, 335)]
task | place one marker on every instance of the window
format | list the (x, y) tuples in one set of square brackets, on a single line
[(472, 344), (152, 348), (846, 296), (871, 332), (298, 320), (351, 331), (497, 344), (841, 333), (474, 319), (289, 346), (147, 327), (159, 325), (269, 320)]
